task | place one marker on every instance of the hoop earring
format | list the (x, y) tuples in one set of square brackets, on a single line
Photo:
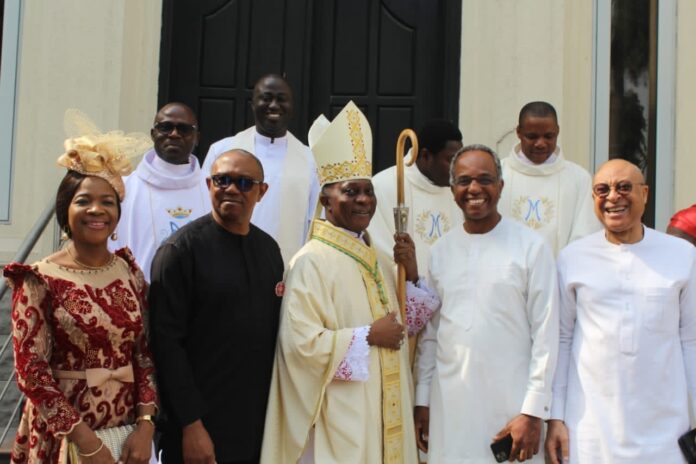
[(114, 236)]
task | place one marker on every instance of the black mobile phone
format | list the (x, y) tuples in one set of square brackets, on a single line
[(687, 443), (501, 448)]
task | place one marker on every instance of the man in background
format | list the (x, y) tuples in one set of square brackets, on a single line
[(543, 190), (288, 207), (167, 189)]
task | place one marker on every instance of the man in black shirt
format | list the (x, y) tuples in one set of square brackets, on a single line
[(214, 305)]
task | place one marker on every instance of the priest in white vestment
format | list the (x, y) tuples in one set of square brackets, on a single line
[(485, 361), (627, 358), (289, 168), (543, 190), (432, 211), (341, 389), (167, 189)]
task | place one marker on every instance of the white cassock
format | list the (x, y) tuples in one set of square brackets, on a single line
[(490, 353), (432, 212), (627, 358), (553, 198), (287, 209), (161, 198)]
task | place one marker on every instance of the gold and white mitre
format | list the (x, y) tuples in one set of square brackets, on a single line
[(342, 148)]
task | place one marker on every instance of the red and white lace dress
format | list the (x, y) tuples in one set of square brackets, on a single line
[(71, 320)]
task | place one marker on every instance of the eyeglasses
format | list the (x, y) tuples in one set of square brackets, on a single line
[(465, 181), (243, 184), (181, 128), (622, 188)]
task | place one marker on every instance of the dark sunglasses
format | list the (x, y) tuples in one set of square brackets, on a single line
[(622, 188), (181, 128), (243, 184)]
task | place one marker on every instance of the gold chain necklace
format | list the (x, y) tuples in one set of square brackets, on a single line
[(93, 268)]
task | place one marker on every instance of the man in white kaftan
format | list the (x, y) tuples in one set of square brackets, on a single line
[(289, 168), (167, 189), (543, 190), (341, 389), (627, 359), (486, 359)]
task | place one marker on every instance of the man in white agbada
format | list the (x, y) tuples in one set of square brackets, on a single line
[(288, 207), (627, 359), (341, 388), (167, 189), (485, 361), (542, 189)]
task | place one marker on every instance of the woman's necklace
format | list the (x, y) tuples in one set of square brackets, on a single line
[(93, 268)]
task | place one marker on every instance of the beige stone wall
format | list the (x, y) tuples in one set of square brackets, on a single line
[(685, 111), (100, 56), (518, 51)]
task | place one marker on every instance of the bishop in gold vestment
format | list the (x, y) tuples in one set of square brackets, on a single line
[(322, 409)]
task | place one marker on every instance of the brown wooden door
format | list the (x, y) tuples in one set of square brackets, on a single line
[(397, 59)]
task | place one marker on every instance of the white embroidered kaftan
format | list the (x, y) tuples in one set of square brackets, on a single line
[(490, 352), (627, 358)]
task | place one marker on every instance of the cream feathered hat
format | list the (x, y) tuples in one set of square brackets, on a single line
[(342, 148), (105, 155)]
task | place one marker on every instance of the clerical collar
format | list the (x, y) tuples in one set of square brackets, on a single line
[(174, 170), (360, 236), (523, 158), (275, 141)]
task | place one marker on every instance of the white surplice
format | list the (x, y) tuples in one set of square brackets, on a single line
[(287, 209), (161, 198), (553, 198), (432, 212), (489, 353), (627, 358)]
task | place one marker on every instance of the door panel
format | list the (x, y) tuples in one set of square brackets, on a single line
[(397, 59)]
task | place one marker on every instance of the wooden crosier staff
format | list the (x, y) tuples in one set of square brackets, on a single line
[(401, 210)]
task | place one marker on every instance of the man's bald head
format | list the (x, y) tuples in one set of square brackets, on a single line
[(619, 167), (620, 195), (237, 152)]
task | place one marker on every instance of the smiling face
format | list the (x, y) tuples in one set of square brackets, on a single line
[(620, 210), (538, 136), (349, 204), (272, 106), (93, 212), (477, 187), (232, 208), (174, 147)]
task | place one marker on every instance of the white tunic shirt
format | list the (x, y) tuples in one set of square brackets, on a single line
[(627, 354), (490, 352)]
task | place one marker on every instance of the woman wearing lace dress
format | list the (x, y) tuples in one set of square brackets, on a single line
[(81, 350)]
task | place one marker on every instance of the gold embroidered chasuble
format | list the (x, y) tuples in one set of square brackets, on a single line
[(334, 285)]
